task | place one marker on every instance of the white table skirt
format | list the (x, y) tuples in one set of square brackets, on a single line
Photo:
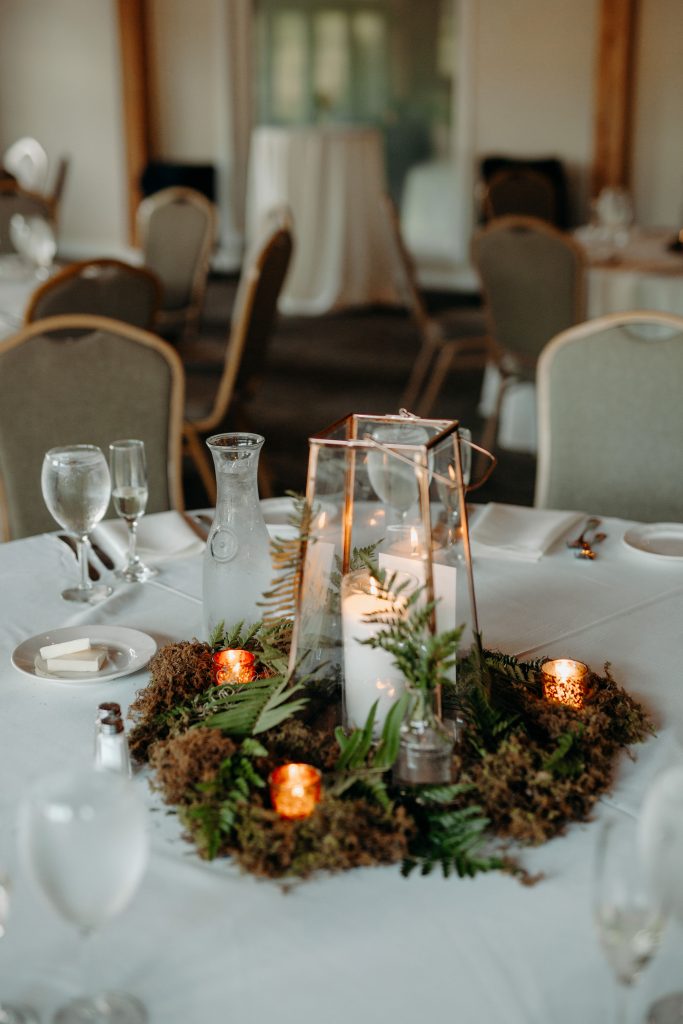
[(333, 180), (201, 942)]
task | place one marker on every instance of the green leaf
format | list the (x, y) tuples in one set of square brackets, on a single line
[(258, 706)]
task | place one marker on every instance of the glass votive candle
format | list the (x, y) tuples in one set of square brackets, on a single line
[(233, 666), (565, 681), (295, 790)]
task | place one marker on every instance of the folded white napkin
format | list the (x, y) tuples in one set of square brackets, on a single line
[(161, 538), (513, 531)]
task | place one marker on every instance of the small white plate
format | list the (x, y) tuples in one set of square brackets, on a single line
[(128, 650), (664, 540)]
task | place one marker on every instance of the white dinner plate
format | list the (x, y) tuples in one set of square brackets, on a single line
[(128, 650), (664, 540)]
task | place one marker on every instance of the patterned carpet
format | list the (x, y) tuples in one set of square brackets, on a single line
[(321, 368)]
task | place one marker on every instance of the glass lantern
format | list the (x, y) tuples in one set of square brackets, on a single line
[(383, 490)]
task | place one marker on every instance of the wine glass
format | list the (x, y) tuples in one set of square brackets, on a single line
[(11, 1013), (628, 914), (34, 238), (394, 479), (445, 470), (661, 839), (84, 837), (76, 489), (129, 491)]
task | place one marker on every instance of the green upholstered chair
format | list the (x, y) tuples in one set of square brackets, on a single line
[(533, 279), (104, 287), (611, 418), (73, 387), (177, 231), (255, 308)]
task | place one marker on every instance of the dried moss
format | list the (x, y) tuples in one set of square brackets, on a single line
[(180, 764)]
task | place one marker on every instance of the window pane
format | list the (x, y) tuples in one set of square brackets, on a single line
[(331, 62), (369, 33), (289, 72)]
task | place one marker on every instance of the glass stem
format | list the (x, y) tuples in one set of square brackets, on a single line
[(621, 1004), (132, 542), (82, 544)]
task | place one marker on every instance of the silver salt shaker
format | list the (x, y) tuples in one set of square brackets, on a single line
[(111, 746)]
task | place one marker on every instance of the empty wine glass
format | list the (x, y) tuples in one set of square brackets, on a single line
[(449, 496), (393, 477), (34, 238), (11, 1013), (129, 491), (84, 837), (628, 914), (76, 488)]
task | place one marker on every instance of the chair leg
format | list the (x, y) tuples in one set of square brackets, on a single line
[(419, 372), (489, 437), (435, 382), (198, 455)]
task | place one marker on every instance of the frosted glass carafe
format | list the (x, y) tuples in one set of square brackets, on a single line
[(237, 566)]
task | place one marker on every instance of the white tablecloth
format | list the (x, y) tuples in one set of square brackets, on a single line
[(201, 942), (643, 274), (17, 283), (333, 179)]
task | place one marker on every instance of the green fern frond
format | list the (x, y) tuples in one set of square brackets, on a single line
[(258, 706)]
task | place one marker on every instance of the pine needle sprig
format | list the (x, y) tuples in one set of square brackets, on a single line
[(287, 555)]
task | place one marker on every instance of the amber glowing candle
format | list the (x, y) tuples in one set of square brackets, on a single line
[(565, 681), (233, 666), (295, 790)]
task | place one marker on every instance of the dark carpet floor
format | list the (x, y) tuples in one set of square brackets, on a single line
[(321, 368)]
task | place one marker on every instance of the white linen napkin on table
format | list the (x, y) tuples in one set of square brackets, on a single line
[(162, 537), (513, 531)]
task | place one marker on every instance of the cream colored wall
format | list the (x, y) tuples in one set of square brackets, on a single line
[(533, 89), (657, 169), (60, 82)]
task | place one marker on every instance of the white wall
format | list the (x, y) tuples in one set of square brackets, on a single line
[(534, 69), (657, 169), (60, 82)]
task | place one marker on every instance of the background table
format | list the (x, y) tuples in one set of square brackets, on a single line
[(333, 180), (203, 942)]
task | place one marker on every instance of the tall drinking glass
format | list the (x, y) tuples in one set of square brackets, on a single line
[(445, 475), (129, 491), (628, 914), (11, 1013), (76, 488), (84, 837)]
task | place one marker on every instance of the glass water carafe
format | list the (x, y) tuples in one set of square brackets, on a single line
[(237, 564)]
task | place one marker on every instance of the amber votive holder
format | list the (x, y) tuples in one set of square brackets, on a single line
[(565, 682), (233, 666), (295, 790)]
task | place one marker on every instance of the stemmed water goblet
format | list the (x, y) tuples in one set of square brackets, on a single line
[(76, 489), (84, 837), (628, 913), (393, 478), (129, 492)]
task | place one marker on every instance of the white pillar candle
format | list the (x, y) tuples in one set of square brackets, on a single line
[(369, 673)]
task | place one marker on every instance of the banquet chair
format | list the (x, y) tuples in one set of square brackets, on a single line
[(103, 287), (15, 199), (520, 191), (468, 352), (533, 280), (611, 418), (113, 381), (177, 230), (254, 312)]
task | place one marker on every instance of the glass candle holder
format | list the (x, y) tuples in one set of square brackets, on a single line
[(233, 666), (565, 681), (295, 790)]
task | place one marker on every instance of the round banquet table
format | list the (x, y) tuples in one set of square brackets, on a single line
[(203, 942), (333, 179)]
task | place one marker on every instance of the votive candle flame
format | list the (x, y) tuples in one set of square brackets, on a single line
[(565, 681), (233, 666), (295, 790)]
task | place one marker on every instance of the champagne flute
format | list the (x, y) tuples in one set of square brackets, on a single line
[(11, 1013), (129, 491), (84, 837), (393, 479), (76, 488), (445, 469), (628, 914)]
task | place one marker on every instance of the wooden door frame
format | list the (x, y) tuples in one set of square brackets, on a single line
[(133, 43)]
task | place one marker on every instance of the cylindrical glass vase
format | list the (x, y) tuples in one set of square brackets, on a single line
[(426, 746), (237, 564)]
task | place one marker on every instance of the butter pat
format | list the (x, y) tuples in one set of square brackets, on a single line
[(68, 647), (79, 661)]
